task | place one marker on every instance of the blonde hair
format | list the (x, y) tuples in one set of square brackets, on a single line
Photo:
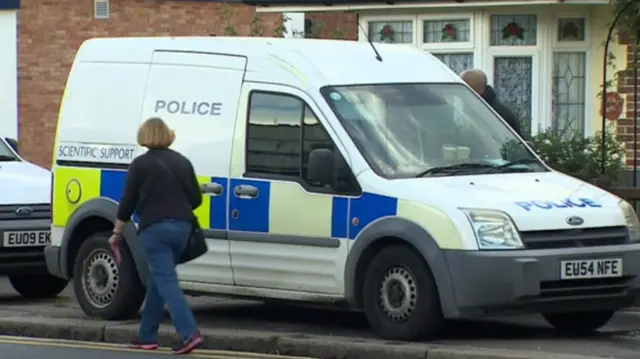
[(155, 134)]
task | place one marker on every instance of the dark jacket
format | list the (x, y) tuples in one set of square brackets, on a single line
[(155, 193), (490, 96)]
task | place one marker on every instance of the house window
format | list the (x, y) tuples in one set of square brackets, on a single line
[(536, 62), (456, 62), (449, 38), (571, 29), (569, 83), (514, 30), (513, 83), (395, 32), (446, 31)]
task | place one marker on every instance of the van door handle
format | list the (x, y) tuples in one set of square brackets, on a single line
[(214, 189), (245, 191)]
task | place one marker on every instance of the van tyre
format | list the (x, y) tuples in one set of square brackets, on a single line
[(580, 323), (103, 289), (38, 286), (400, 297)]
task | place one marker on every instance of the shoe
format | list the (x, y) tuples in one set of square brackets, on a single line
[(188, 346), (143, 345)]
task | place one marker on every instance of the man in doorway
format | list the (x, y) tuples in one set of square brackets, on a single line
[(477, 80)]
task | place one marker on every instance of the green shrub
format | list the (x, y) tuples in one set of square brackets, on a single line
[(581, 157)]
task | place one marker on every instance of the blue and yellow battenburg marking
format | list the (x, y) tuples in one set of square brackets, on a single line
[(260, 215)]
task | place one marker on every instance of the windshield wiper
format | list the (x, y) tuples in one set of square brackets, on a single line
[(7, 158), (508, 165), (453, 169)]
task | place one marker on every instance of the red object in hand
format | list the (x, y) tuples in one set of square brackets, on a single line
[(115, 248)]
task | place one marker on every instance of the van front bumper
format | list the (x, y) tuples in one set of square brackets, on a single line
[(22, 260), (526, 281), (52, 259)]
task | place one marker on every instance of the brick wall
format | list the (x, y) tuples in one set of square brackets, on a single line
[(338, 25), (625, 88), (50, 32)]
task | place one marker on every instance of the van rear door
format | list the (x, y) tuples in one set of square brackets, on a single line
[(197, 95)]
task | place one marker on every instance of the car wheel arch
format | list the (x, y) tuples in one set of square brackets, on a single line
[(395, 230)]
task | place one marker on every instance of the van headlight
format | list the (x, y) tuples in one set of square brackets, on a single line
[(493, 229), (631, 219)]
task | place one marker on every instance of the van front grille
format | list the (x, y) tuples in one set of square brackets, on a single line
[(25, 212), (575, 238), (585, 287)]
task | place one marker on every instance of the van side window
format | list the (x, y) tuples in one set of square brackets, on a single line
[(282, 131), (273, 134)]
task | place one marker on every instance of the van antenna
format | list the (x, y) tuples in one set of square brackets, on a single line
[(378, 57)]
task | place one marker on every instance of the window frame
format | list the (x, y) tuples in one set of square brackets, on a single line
[(446, 47), (483, 53), (295, 179), (363, 29), (573, 46)]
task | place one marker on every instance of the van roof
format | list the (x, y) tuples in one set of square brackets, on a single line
[(310, 62)]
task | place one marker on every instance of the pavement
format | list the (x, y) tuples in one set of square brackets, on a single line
[(248, 326)]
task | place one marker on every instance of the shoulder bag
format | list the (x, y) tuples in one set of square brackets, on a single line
[(197, 244)]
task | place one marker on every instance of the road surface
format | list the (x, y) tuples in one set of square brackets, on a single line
[(528, 333), (24, 348)]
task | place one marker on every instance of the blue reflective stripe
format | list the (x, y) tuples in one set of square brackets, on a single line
[(368, 208), (112, 187), (254, 212), (112, 184), (339, 217), (218, 206)]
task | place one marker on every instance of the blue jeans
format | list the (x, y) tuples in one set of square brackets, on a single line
[(163, 243)]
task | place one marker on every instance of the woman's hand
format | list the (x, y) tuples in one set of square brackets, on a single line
[(115, 238)]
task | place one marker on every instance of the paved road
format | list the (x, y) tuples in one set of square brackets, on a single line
[(528, 333), (20, 348)]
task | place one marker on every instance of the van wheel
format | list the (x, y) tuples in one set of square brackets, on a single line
[(578, 322), (105, 290), (400, 297), (38, 285)]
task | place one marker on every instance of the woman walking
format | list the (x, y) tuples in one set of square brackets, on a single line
[(162, 188)]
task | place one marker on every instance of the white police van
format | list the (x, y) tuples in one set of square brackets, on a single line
[(25, 220), (332, 176)]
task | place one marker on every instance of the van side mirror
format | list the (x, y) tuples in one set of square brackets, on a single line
[(320, 167), (13, 143)]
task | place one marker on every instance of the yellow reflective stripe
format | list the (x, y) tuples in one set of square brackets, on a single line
[(434, 221), (72, 184), (204, 211), (294, 211)]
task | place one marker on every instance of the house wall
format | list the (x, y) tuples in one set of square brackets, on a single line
[(8, 74), (624, 85), (50, 32)]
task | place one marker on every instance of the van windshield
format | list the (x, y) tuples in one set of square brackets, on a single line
[(416, 130), (5, 153)]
